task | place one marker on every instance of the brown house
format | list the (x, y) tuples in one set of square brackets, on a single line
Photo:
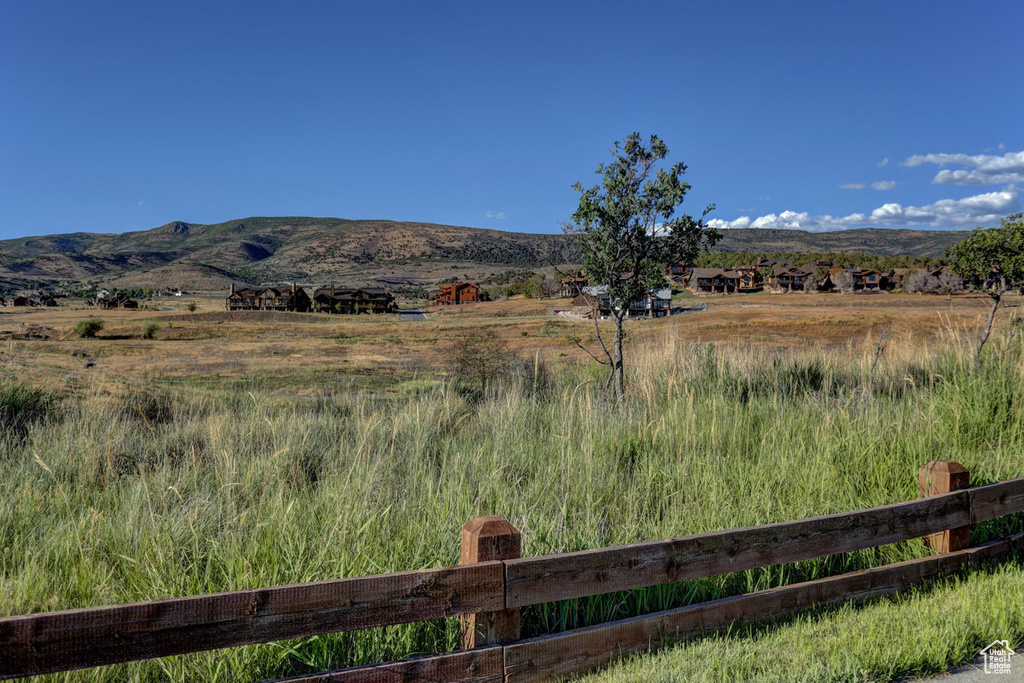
[(863, 280), (789, 278), (679, 273), (748, 278), (713, 281), (119, 300), (18, 301), (897, 277), (459, 293), (572, 285), (268, 299), (353, 301)]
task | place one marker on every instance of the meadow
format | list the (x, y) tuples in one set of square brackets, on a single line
[(233, 452)]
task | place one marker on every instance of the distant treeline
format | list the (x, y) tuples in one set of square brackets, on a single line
[(728, 259)]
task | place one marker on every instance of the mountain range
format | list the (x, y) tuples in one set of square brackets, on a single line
[(353, 252)]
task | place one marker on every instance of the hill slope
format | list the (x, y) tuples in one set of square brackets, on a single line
[(320, 250)]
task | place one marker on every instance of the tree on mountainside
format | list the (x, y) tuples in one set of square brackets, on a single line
[(628, 233), (993, 260)]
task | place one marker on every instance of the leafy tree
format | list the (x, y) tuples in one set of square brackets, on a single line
[(628, 232), (992, 259)]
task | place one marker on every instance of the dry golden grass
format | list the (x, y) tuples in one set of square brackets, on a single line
[(298, 353)]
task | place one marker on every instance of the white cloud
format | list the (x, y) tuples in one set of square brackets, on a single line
[(982, 209), (851, 186), (883, 162), (985, 169), (884, 184), (500, 215), (741, 222), (140, 202)]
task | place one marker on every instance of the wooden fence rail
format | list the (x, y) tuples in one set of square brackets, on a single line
[(493, 583)]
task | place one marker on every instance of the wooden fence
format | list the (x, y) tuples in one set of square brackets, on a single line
[(491, 585)]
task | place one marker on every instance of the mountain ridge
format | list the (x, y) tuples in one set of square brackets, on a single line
[(352, 251)]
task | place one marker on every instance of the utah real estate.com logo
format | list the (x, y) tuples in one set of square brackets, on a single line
[(996, 657)]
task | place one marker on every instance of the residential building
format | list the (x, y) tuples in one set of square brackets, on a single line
[(713, 281), (268, 299), (679, 273), (657, 304), (458, 293), (353, 300), (572, 285), (790, 278)]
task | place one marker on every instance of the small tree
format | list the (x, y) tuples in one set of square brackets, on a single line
[(191, 306), (949, 283), (88, 327), (149, 329), (483, 356), (993, 260), (844, 281), (628, 233), (921, 282)]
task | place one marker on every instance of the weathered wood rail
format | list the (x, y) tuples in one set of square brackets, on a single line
[(491, 585)]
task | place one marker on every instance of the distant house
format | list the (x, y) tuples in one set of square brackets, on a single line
[(765, 263), (713, 281), (47, 300), (458, 293), (657, 304), (748, 278), (861, 280), (679, 273), (572, 285), (897, 277), (268, 299), (119, 300), (353, 300), (18, 301), (789, 278)]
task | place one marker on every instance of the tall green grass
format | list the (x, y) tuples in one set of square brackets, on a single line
[(144, 494)]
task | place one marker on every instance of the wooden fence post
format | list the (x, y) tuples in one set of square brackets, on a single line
[(484, 539), (943, 476)]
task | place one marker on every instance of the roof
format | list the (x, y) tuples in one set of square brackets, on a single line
[(350, 292), (712, 272), (791, 270)]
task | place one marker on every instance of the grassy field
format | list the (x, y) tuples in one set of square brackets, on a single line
[(240, 451)]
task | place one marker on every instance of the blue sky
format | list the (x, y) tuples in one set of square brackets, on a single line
[(124, 116)]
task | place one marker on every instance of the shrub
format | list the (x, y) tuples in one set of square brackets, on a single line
[(922, 282), (950, 282), (20, 404), (191, 306), (88, 327), (149, 329)]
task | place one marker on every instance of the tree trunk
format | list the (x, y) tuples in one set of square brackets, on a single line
[(617, 362), (988, 327)]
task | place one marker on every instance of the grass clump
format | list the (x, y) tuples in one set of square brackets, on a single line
[(149, 329), (21, 404), (88, 328)]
